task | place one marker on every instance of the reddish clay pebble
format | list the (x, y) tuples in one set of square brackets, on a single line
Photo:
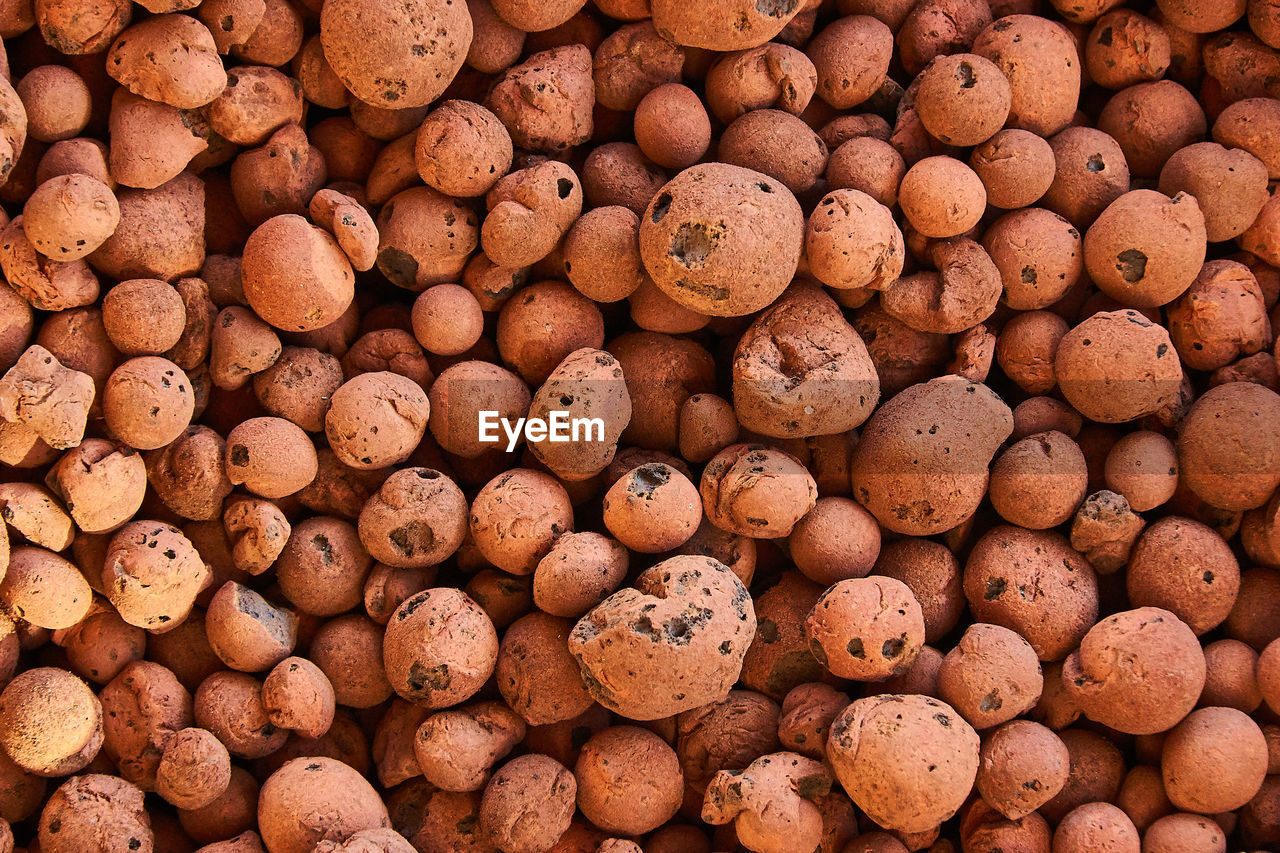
[(644, 650), (1124, 696), (898, 738), (440, 648)]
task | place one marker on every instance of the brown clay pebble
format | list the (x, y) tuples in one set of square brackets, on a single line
[(527, 805), (629, 780), (96, 812)]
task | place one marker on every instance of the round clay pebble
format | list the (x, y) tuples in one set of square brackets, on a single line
[(962, 99), (1185, 567), (440, 648), (1230, 185), (1151, 121), (777, 144), (152, 574), (1145, 249), (1215, 760), (297, 696), (537, 676), (1038, 254), (1117, 366), (932, 573), (102, 484), (271, 457), (456, 749), (1038, 57), (1229, 446), (50, 722), (671, 126), (629, 780), (652, 508), (322, 566), (881, 749), (942, 197), (348, 650), (1039, 481), (417, 518), (866, 629), (851, 57), (718, 265), (1125, 48), (43, 589), (579, 571), (1015, 166), (1158, 683), (168, 58), (1096, 828), (143, 316), (1268, 674), (462, 149), (548, 323), (295, 276), (919, 472), (1022, 766), (1220, 318), (835, 540), (69, 216), (96, 812), (309, 800), (517, 517), (602, 254), (852, 242), (1032, 582), (1184, 833), (756, 491), (376, 419), (663, 646), (1231, 679), (396, 58), (726, 25), (1143, 466), (528, 804), (147, 402), (991, 676), (58, 103), (447, 319), (194, 771)]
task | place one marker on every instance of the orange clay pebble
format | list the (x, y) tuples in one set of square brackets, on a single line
[(376, 419), (49, 398), (271, 457), (647, 652), (152, 575), (297, 696), (69, 216), (447, 319), (194, 770), (50, 722), (440, 648), (728, 269), (653, 508)]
